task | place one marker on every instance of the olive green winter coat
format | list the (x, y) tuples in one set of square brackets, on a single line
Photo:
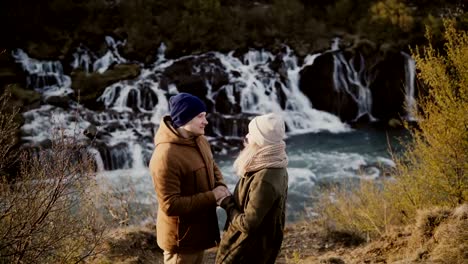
[(256, 218), (184, 173)]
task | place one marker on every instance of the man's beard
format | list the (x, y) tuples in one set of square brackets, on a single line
[(244, 158)]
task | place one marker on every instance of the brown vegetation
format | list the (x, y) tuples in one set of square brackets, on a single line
[(439, 236), (48, 212), (130, 245)]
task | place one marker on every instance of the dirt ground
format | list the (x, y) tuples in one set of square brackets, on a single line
[(438, 236)]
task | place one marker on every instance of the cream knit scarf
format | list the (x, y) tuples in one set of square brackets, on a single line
[(269, 156)]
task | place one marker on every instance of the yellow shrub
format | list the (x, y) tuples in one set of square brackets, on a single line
[(433, 169)]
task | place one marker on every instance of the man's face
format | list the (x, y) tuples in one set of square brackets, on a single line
[(197, 125)]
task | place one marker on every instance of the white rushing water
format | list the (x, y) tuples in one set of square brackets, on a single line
[(134, 108)]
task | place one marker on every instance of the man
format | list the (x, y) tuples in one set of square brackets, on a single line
[(188, 183), (256, 210)]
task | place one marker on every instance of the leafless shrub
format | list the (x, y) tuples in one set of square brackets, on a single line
[(48, 213), (121, 205)]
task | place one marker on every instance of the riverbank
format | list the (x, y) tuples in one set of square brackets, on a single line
[(438, 236)]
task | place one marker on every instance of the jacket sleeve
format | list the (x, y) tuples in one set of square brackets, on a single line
[(262, 195), (166, 182), (219, 180)]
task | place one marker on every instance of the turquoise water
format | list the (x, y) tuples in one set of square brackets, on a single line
[(320, 159), (316, 160)]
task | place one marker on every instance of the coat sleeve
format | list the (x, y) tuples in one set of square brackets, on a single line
[(165, 174), (219, 180), (262, 195)]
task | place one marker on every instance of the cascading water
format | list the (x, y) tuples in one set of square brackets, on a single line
[(123, 139), (410, 102), (46, 77), (259, 93), (112, 56), (352, 81)]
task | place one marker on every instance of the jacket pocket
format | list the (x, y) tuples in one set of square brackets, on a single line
[(196, 233), (183, 229)]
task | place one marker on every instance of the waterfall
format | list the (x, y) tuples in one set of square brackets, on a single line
[(82, 58), (160, 57), (85, 59), (259, 86), (300, 116), (235, 88), (46, 77), (410, 73), (353, 81), (258, 82), (112, 56)]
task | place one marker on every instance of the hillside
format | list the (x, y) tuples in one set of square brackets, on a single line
[(54, 29), (439, 236)]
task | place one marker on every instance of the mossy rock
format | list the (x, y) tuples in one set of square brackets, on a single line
[(89, 86), (23, 98)]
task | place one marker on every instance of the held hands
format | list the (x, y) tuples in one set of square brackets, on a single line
[(221, 192)]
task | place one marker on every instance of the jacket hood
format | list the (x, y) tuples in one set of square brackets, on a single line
[(168, 134)]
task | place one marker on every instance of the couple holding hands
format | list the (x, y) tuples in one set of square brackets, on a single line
[(189, 187)]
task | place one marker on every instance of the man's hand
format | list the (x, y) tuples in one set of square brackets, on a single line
[(220, 193)]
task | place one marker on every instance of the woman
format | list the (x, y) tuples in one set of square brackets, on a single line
[(256, 210)]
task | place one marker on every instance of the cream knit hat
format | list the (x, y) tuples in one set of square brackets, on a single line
[(267, 129)]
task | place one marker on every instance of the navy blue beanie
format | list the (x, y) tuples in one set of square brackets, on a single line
[(184, 107)]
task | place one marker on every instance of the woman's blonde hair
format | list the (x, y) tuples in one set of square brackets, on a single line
[(244, 157)]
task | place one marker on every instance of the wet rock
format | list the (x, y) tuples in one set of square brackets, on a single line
[(25, 99), (10, 72), (316, 82), (191, 74), (91, 131), (383, 73), (89, 86), (59, 101)]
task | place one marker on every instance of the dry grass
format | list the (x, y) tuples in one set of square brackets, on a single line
[(365, 211), (130, 245), (441, 235)]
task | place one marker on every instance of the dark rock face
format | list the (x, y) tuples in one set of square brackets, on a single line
[(222, 103), (191, 73), (60, 101), (384, 76), (388, 87), (89, 86), (10, 72), (316, 83)]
